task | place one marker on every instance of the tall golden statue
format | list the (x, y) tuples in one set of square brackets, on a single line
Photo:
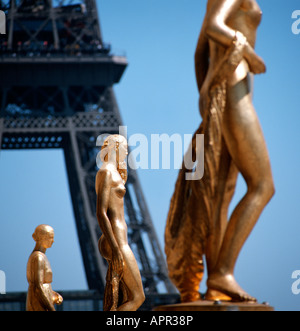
[(197, 224), (40, 296), (124, 288)]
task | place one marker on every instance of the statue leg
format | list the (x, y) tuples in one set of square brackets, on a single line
[(227, 179), (246, 145), (133, 282)]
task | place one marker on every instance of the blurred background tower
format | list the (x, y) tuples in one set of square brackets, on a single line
[(56, 91)]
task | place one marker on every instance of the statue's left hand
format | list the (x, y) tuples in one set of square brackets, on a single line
[(57, 298), (255, 62)]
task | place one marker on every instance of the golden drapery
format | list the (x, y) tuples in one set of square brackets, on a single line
[(192, 215)]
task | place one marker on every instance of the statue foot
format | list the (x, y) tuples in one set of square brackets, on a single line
[(227, 285), (213, 295)]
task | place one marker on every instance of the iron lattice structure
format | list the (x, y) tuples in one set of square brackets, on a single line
[(56, 91)]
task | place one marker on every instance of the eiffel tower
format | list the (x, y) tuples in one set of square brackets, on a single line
[(56, 91)]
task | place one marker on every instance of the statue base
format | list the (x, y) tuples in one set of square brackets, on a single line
[(204, 305)]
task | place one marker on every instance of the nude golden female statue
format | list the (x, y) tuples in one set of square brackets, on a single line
[(124, 288), (40, 296), (198, 224)]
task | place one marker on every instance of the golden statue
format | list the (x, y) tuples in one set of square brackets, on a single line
[(40, 296), (124, 288), (198, 224)]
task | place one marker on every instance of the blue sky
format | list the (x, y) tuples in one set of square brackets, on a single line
[(157, 95)]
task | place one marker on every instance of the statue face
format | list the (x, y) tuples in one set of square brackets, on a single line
[(49, 240), (114, 149)]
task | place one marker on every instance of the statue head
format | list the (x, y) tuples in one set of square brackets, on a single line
[(44, 235), (114, 148)]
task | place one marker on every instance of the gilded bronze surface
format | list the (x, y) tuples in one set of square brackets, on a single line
[(40, 296), (124, 288), (198, 224)]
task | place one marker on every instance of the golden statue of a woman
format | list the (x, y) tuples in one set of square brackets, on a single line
[(40, 296), (124, 288), (197, 224)]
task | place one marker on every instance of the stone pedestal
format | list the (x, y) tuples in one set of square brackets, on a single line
[(204, 305)]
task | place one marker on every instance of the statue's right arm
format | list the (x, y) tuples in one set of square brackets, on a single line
[(217, 16), (217, 30)]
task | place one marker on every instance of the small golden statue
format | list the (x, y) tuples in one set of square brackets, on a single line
[(124, 288), (40, 296), (197, 224)]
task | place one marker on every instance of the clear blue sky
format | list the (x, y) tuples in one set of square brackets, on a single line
[(157, 95)]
